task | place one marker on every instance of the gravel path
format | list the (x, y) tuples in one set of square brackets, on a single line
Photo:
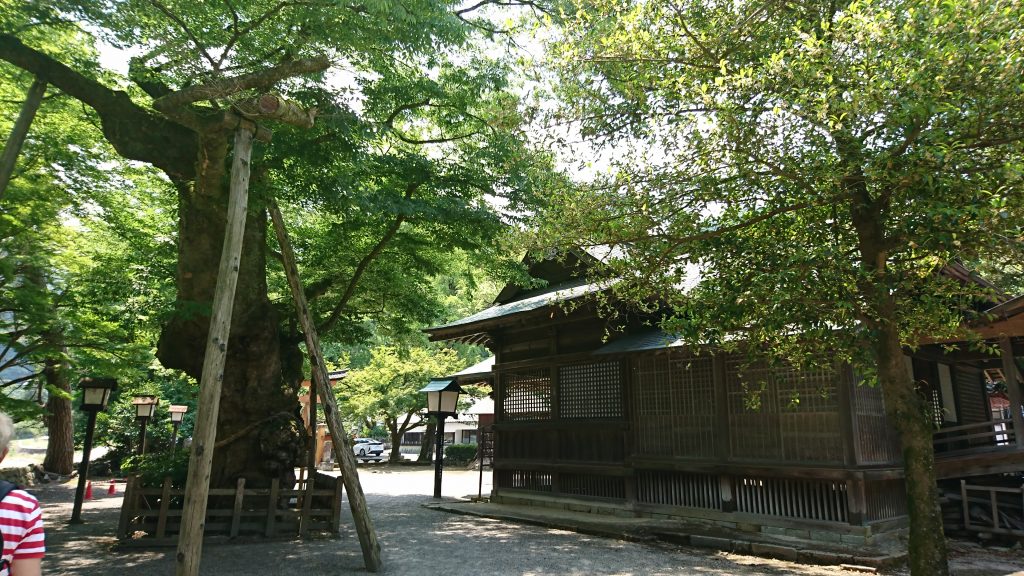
[(414, 540)]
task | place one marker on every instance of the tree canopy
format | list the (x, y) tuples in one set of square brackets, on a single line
[(817, 165), (395, 138)]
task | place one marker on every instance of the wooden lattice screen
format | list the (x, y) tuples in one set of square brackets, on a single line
[(753, 410), (876, 440), (811, 499), (674, 406), (885, 500), (809, 414), (592, 486), (527, 395), (782, 412), (681, 489), (523, 480), (590, 391)]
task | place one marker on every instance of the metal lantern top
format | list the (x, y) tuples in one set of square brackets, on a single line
[(177, 412), (145, 406), (96, 392), (442, 395)]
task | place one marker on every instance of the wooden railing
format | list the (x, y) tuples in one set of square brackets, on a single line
[(967, 437), (1007, 517), (152, 516)]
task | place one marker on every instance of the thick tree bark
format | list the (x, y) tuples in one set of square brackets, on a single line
[(60, 447), (396, 445), (927, 550), (904, 407), (253, 386)]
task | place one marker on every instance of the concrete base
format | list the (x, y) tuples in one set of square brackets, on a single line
[(782, 538)]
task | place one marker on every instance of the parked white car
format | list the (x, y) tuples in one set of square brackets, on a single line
[(367, 449)]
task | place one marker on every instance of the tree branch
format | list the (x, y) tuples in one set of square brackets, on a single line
[(188, 32), (136, 133), (364, 263), (223, 87)]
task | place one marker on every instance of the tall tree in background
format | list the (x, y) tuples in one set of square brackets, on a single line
[(387, 390), (57, 323), (412, 135), (818, 163)]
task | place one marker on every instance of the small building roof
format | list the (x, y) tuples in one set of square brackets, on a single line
[(482, 368), (536, 300)]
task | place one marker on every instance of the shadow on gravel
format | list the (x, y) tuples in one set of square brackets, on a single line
[(414, 541)]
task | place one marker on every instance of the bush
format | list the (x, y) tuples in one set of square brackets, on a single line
[(459, 454), (152, 468)]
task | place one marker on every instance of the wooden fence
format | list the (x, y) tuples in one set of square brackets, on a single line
[(152, 516), (1006, 512), (971, 437)]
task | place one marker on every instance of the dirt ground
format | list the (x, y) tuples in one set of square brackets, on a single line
[(418, 540)]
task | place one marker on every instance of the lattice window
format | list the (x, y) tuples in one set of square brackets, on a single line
[(674, 406), (877, 439), (590, 391), (753, 410), (808, 499), (809, 413), (936, 409), (527, 395), (682, 489)]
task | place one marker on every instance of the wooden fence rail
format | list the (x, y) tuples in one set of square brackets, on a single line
[(1007, 513), (969, 437), (152, 516)]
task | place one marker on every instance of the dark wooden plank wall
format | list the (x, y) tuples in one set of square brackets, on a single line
[(970, 391)]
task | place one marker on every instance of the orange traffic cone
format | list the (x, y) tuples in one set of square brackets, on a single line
[(111, 490), (88, 491)]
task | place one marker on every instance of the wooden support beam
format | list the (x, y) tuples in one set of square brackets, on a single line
[(340, 441), (193, 520), (19, 131), (1012, 376)]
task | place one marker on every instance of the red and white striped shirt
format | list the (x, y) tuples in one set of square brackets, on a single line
[(21, 521)]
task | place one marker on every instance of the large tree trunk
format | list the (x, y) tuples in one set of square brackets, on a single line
[(427, 446), (904, 407), (257, 423), (60, 447), (396, 444)]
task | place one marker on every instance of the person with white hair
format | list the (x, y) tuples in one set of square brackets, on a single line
[(21, 521)]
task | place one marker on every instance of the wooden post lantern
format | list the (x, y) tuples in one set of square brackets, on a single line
[(177, 413), (95, 396), (96, 393), (145, 406), (442, 396), (442, 399)]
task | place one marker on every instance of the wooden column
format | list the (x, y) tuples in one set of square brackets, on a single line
[(193, 520), (1012, 376), (13, 147), (723, 446), (845, 384), (311, 463), (340, 441)]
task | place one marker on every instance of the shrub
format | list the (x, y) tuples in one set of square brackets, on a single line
[(152, 468), (459, 454)]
